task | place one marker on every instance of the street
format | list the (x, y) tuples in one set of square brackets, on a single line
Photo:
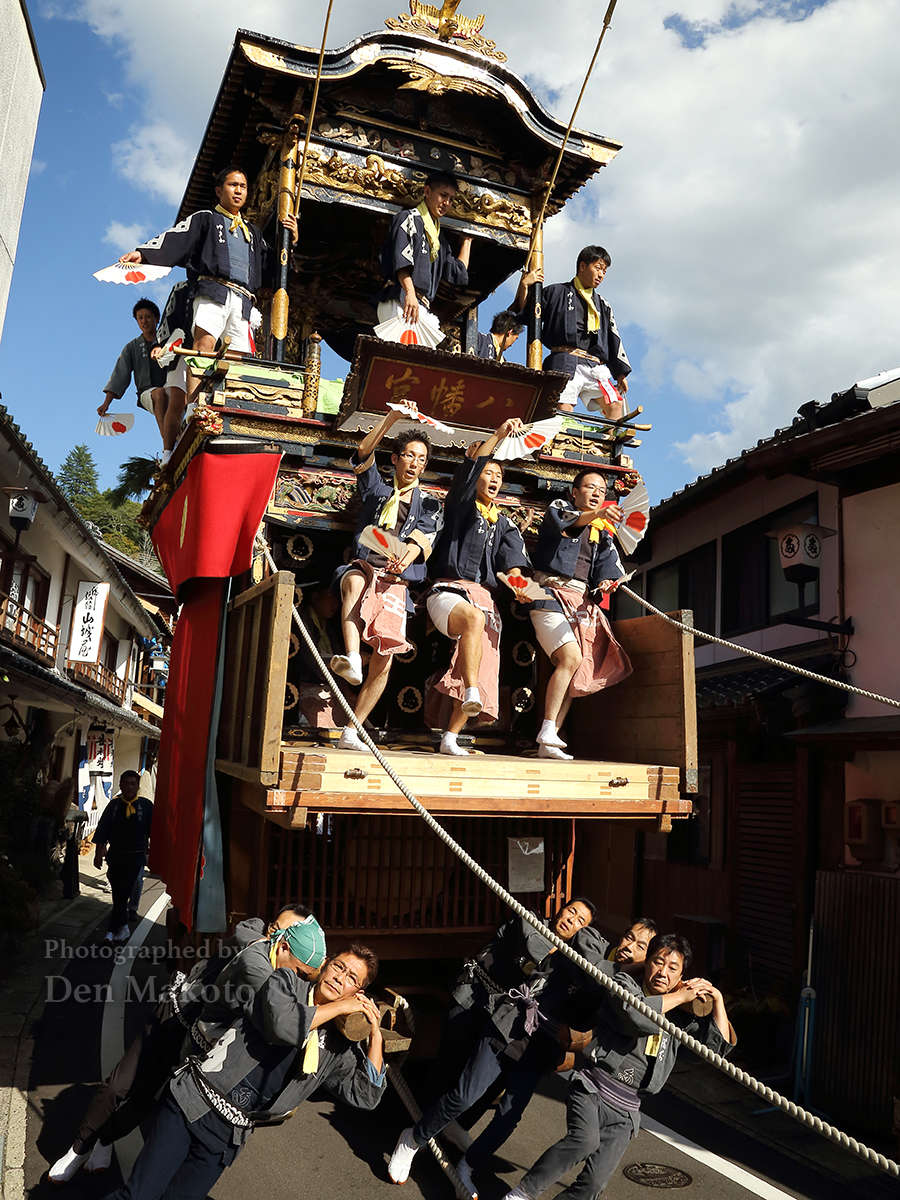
[(326, 1150)]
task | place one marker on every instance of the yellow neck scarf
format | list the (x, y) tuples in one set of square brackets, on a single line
[(311, 1053), (237, 221), (490, 512), (129, 806), (497, 351), (391, 510), (600, 525), (593, 312), (432, 229)]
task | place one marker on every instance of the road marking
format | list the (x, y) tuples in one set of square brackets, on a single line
[(724, 1166), (112, 1030)]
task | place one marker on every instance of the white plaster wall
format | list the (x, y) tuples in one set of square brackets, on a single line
[(21, 92), (872, 582)]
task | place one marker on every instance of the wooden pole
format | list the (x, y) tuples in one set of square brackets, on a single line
[(287, 182), (534, 355), (312, 110)]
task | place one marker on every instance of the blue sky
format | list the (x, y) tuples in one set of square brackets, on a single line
[(751, 214)]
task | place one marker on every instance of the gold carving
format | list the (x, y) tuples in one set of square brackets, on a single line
[(443, 24), (490, 209), (279, 314), (313, 374), (424, 79)]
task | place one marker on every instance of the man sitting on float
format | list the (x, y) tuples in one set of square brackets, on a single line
[(374, 585), (476, 542), (417, 254), (579, 330), (576, 563)]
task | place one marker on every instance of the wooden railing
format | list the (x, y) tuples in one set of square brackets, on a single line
[(99, 678), (27, 630), (256, 655)]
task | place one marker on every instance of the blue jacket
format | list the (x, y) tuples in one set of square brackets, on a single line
[(421, 525), (468, 546), (559, 328), (558, 544), (407, 248), (122, 834)]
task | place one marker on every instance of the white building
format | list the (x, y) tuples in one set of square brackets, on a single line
[(21, 92)]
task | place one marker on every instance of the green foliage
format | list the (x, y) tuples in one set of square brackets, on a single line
[(135, 478), (77, 477)]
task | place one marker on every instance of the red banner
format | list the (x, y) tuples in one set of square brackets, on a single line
[(206, 530)]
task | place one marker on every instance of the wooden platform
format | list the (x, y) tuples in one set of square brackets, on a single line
[(322, 779)]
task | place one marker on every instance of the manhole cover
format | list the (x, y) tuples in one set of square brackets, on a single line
[(657, 1175)]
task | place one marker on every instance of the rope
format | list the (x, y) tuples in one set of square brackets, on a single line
[(312, 112), (540, 220), (873, 1157), (775, 662)]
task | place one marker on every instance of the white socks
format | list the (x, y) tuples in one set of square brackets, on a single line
[(350, 740), (401, 1160), (449, 745), (547, 751), (349, 667), (549, 735), (471, 704)]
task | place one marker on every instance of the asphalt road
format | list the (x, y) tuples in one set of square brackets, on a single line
[(328, 1151)]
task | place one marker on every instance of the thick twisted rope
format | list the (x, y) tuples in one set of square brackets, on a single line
[(866, 1153), (766, 658)]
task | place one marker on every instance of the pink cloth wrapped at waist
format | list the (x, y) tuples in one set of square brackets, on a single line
[(451, 682), (382, 610), (603, 661)]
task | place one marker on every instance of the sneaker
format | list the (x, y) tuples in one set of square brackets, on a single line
[(471, 704), (122, 935), (109, 936), (350, 740), (100, 1159), (349, 667), (449, 745), (464, 1171), (546, 751), (516, 1194), (66, 1167), (401, 1159)]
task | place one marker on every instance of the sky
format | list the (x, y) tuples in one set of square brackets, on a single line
[(751, 215)]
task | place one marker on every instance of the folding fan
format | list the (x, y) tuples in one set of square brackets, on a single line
[(121, 272), (175, 339), (382, 541), (415, 414), (534, 438), (525, 590), (607, 392), (636, 507), (112, 424), (426, 331)]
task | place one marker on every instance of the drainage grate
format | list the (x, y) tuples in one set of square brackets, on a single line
[(657, 1175)]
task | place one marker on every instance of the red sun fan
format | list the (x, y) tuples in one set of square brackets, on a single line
[(636, 507), (382, 541)]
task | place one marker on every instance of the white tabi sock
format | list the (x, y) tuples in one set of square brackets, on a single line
[(549, 735), (449, 745)]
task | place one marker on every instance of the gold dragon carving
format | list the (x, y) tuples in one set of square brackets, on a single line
[(446, 26)]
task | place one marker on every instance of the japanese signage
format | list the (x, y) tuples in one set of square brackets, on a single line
[(100, 748), (87, 621), (456, 397)]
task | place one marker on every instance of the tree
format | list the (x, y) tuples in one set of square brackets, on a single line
[(77, 477)]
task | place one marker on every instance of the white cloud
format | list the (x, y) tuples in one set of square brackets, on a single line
[(124, 237), (751, 215), (38, 166)]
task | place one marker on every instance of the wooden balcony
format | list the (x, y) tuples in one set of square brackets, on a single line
[(26, 631), (99, 678), (646, 728)]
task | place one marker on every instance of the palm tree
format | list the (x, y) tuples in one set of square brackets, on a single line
[(135, 478)]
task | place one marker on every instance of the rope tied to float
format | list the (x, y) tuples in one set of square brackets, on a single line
[(826, 1130)]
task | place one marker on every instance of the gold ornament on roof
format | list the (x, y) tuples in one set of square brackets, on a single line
[(446, 26)]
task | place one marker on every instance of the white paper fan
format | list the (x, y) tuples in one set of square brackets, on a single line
[(607, 392), (426, 331), (534, 438), (175, 339), (417, 415), (121, 272), (382, 541), (525, 590), (636, 507), (112, 424)]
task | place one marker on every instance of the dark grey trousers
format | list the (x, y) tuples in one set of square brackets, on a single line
[(477, 1076), (596, 1134)]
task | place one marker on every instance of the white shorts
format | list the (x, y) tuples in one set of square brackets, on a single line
[(440, 605), (552, 629), (224, 320), (145, 400), (594, 385)]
